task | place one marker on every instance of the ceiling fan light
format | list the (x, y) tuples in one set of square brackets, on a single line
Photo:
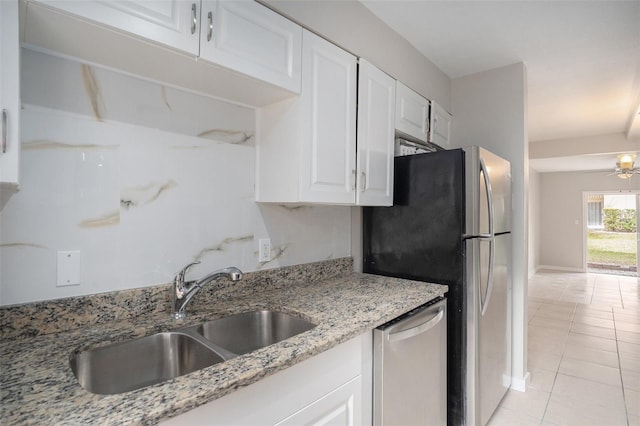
[(625, 161)]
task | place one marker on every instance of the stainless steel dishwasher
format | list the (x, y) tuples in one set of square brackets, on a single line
[(410, 368)]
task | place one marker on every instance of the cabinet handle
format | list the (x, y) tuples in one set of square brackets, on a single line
[(353, 179), (210, 31), (4, 131), (194, 18), (363, 182)]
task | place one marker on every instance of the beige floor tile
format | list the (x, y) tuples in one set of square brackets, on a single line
[(596, 356), (539, 321), (628, 336), (541, 380), (588, 392), (562, 411), (541, 360), (628, 347), (506, 417), (632, 399), (558, 307), (631, 380), (557, 315), (532, 403), (545, 345), (607, 333), (591, 342), (590, 371), (593, 309), (593, 313), (625, 317), (589, 320), (581, 368), (630, 361), (628, 326)]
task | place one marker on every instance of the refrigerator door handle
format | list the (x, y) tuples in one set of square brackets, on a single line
[(487, 185), (484, 304)]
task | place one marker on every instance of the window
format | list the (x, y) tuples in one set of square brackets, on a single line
[(594, 211)]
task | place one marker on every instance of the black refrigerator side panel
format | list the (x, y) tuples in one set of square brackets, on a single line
[(420, 236)]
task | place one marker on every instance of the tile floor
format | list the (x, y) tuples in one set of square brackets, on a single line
[(583, 353)]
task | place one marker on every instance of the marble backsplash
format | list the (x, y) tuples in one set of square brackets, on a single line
[(33, 319), (142, 179)]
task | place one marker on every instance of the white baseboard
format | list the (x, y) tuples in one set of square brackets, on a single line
[(520, 384), (559, 268), (532, 271)]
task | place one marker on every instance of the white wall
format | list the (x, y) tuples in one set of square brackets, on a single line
[(562, 214), (141, 179), (355, 28), (534, 222), (489, 110)]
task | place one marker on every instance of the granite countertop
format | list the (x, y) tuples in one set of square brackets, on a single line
[(38, 387)]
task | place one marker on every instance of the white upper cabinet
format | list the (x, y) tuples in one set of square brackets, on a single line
[(306, 147), (412, 113), (174, 23), (440, 126), (9, 94), (328, 144), (376, 112), (239, 35), (247, 37)]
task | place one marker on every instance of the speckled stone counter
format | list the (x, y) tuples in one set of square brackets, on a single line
[(38, 387)]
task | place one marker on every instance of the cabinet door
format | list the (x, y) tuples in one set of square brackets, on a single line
[(249, 38), (173, 23), (376, 119), (9, 93), (412, 113), (328, 146), (340, 407), (440, 126)]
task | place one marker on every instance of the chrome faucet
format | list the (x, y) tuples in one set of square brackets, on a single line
[(183, 291)]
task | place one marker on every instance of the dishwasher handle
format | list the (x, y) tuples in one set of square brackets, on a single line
[(418, 329)]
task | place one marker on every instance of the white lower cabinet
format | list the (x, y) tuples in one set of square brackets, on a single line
[(333, 387), (335, 408)]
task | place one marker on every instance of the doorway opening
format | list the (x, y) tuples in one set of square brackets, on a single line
[(611, 233)]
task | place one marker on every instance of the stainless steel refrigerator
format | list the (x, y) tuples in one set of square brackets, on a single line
[(451, 224)]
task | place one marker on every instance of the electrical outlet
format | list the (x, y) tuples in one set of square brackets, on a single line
[(68, 268), (264, 250)]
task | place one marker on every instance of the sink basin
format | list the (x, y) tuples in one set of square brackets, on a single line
[(134, 364), (248, 331)]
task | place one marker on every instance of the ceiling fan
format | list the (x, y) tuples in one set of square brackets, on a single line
[(624, 166)]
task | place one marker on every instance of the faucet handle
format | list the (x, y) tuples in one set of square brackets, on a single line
[(179, 278)]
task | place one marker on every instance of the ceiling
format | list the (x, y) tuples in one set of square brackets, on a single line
[(582, 57)]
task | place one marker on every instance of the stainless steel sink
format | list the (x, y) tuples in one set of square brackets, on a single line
[(248, 331), (134, 364), (137, 363)]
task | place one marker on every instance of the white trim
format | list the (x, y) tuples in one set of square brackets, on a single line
[(520, 384), (560, 268), (533, 271)]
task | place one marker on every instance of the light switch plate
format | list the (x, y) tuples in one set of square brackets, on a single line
[(68, 268)]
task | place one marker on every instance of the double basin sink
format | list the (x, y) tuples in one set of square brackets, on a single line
[(137, 363)]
